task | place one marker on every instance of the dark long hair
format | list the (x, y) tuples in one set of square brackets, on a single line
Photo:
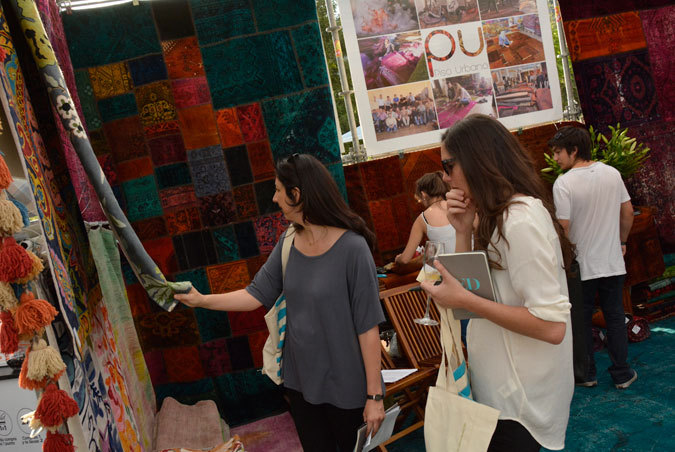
[(320, 199), (496, 167)]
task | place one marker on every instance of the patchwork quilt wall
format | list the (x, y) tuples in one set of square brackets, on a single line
[(187, 104), (625, 71)]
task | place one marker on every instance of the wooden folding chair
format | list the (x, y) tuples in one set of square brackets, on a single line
[(410, 394), (421, 344)]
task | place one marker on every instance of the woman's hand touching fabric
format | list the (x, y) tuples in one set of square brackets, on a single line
[(192, 299)]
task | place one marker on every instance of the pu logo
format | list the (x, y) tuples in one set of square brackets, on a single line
[(431, 56), (470, 283)]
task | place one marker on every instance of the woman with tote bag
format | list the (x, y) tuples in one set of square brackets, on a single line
[(331, 349), (520, 350)]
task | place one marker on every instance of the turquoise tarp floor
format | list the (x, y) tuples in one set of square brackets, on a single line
[(638, 419)]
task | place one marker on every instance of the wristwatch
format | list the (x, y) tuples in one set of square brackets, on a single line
[(375, 397)]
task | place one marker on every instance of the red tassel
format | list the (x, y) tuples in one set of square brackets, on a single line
[(58, 442), (55, 407), (30, 384), (15, 262), (9, 337), (33, 314), (5, 176)]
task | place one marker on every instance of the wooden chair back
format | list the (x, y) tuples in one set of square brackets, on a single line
[(421, 344)]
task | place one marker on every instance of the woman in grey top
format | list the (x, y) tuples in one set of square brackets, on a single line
[(331, 365)]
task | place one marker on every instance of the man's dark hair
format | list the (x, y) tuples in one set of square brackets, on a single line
[(569, 137)]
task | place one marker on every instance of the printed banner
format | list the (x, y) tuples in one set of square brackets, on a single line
[(419, 66)]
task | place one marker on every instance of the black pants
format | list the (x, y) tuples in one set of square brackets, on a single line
[(511, 436), (325, 427)]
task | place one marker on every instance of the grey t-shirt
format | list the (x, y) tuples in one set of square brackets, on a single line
[(330, 300)]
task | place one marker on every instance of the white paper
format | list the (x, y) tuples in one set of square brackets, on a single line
[(364, 444), (394, 375)]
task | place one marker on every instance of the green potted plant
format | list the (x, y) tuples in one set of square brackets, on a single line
[(619, 151)]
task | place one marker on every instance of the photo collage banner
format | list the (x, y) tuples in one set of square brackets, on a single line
[(419, 66)]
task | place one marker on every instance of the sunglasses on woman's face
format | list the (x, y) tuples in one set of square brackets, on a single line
[(448, 164)]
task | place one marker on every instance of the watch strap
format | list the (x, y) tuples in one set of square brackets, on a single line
[(376, 397)]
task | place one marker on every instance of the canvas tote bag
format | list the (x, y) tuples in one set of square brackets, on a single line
[(454, 422), (276, 321)]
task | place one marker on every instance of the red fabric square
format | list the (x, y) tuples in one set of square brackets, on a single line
[(228, 277), (215, 358), (245, 322), (183, 220), (183, 364), (162, 252), (155, 362), (199, 127), (133, 169), (228, 127), (382, 177), (150, 229), (126, 139), (161, 128), (257, 341), (392, 222), (167, 149), (138, 300), (178, 197), (415, 165), (183, 58), (251, 122), (356, 194), (244, 198), (255, 263), (262, 163), (188, 92)]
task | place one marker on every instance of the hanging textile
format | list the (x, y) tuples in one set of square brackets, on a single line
[(152, 279)]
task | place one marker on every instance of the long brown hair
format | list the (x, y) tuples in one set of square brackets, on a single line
[(320, 199), (496, 167)]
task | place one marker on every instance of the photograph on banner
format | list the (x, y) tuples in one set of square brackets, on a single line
[(391, 60), (408, 113), (458, 97), (438, 13), (491, 9), (522, 89), (381, 17), (513, 41), (455, 50)]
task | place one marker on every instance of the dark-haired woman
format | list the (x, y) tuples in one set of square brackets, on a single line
[(430, 191), (520, 350), (331, 356)]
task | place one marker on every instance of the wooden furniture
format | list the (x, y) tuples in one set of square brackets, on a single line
[(421, 344), (411, 394), (644, 258)]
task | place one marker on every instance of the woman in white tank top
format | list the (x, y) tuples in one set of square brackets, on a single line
[(430, 191)]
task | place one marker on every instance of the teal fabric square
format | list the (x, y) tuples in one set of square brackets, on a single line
[(212, 324), (87, 100), (339, 176), (303, 123), (247, 396), (245, 70), (217, 20), (118, 107), (307, 40), (198, 279), (142, 198), (226, 244), (270, 14), (108, 35), (173, 175)]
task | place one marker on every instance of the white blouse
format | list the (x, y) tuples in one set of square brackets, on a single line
[(529, 380)]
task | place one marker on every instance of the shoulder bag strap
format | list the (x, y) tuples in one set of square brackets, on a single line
[(286, 249)]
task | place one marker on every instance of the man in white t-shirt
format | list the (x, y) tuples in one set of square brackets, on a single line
[(594, 208)]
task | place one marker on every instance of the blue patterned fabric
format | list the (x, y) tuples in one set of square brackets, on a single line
[(217, 20)]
